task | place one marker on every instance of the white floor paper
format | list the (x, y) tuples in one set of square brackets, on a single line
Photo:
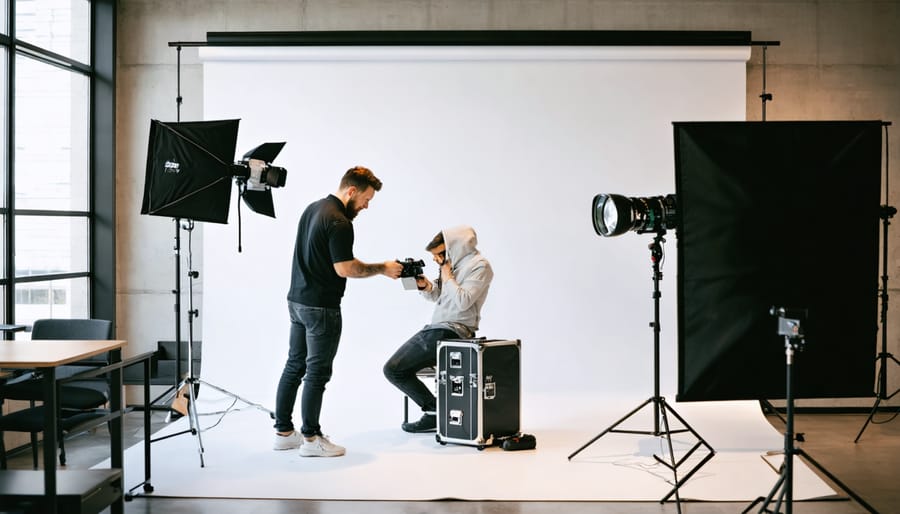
[(384, 463)]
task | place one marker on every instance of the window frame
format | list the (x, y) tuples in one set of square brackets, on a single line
[(100, 215)]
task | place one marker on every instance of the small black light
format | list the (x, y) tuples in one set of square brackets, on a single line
[(614, 215)]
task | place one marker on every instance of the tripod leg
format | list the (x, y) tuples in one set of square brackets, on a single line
[(610, 428), (768, 499), (701, 442), (767, 407), (868, 419), (195, 421), (834, 479), (229, 393), (661, 406)]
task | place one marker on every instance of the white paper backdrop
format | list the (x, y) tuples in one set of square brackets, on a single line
[(513, 141)]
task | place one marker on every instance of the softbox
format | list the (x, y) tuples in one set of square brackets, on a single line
[(782, 214), (189, 169)]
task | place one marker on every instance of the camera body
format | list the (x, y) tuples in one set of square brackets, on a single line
[(411, 269)]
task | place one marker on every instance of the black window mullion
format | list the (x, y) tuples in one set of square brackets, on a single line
[(102, 166), (9, 314)]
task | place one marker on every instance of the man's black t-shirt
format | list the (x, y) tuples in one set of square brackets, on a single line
[(324, 237)]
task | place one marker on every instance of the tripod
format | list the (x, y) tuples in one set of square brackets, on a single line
[(192, 382), (887, 212), (661, 409), (789, 327)]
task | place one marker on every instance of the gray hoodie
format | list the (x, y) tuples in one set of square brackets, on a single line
[(459, 299)]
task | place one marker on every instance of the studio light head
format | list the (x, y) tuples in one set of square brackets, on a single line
[(255, 176), (614, 215), (256, 168)]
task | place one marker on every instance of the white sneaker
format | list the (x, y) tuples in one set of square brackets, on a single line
[(288, 442), (320, 447)]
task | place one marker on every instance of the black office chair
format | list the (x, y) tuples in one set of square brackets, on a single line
[(78, 400)]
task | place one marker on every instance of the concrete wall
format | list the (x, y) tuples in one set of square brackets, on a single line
[(837, 60)]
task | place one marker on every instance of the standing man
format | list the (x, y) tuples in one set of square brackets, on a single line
[(322, 261), (459, 293)]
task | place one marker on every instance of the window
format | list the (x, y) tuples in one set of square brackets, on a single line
[(51, 153)]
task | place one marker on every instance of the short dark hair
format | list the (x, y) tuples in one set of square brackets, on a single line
[(437, 241), (360, 177)]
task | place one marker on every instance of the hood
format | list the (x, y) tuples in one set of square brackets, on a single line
[(460, 242)]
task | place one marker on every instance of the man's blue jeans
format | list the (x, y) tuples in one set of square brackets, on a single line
[(420, 351), (315, 334)]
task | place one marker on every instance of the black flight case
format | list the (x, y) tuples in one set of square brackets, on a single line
[(478, 386)]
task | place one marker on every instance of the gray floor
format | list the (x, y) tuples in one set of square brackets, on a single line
[(870, 468)]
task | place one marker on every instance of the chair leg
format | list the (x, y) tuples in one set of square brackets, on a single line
[(2, 452), (62, 449), (34, 450)]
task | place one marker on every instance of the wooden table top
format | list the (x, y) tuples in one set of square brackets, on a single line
[(51, 353)]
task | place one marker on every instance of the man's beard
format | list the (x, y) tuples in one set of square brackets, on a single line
[(352, 209)]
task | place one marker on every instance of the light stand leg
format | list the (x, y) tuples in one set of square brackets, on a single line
[(660, 407), (882, 392), (612, 428), (236, 397), (837, 482), (700, 443), (195, 421), (673, 467)]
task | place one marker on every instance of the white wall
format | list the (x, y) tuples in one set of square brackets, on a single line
[(514, 142)]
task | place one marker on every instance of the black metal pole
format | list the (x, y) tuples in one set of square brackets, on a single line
[(764, 96), (655, 257), (887, 212), (884, 357), (789, 430), (177, 290), (177, 293)]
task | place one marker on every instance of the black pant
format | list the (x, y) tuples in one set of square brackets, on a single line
[(419, 352)]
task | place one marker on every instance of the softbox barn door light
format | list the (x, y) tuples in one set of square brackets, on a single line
[(781, 214), (189, 169)]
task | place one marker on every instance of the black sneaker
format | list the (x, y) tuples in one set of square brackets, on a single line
[(427, 423)]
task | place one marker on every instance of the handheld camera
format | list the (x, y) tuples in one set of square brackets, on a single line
[(411, 269)]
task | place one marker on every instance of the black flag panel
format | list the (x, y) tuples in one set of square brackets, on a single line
[(781, 214)]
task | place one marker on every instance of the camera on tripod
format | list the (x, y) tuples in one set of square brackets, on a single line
[(790, 325), (411, 269)]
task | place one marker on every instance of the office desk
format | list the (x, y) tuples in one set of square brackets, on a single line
[(46, 355)]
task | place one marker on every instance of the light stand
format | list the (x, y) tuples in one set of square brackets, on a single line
[(211, 166), (659, 405), (886, 213), (783, 491), (192, 381), (765, 96)]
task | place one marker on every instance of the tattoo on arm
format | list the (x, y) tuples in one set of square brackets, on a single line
[(361, 269)]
